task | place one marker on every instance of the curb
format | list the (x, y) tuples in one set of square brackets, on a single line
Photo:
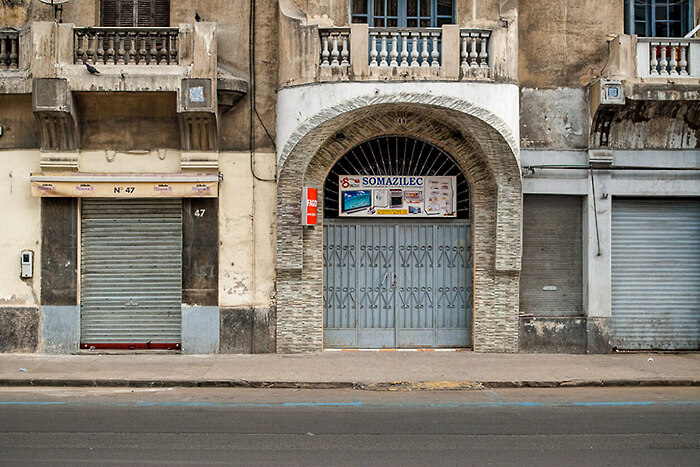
[(376, 386)]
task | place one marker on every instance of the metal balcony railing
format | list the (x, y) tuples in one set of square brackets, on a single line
[(126, 46)]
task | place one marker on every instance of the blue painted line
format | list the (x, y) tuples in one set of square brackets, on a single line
[(592, 404)]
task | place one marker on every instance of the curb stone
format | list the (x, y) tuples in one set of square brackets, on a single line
[(374, 386)]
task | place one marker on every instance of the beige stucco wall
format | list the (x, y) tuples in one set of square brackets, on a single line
[(111, 161), (247, 230), (21, 227), (563, 42)]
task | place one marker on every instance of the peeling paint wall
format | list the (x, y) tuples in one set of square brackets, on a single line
[(554, 118)]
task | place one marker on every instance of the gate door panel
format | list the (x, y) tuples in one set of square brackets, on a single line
[(131, 273), (389, 285)]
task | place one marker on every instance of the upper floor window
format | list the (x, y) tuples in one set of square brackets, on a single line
[(658, 18), (403, 13), (142, 13)]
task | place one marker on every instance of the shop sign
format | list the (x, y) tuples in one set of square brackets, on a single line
[(309, 206), (397, 196), (122, 187)]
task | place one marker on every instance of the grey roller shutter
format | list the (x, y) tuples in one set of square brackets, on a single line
[(656, 273), (552, 271), (131, 272)]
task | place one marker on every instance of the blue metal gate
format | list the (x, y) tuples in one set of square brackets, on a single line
[(397, 285)]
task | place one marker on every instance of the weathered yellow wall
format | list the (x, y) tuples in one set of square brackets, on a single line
[(111, 161), (19, 127), (246, 230), (21, 227), (563, 42)]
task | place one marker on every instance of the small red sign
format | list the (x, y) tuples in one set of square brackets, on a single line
[(309, 206)]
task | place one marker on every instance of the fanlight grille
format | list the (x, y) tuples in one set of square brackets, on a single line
[(395, 155)]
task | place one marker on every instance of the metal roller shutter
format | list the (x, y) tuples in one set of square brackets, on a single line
[(131, 273), (656, 273), (552, 272)]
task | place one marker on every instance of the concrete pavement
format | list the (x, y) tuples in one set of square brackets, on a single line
[(364, 370)]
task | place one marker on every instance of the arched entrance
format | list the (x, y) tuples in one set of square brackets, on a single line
[(485, 150), (397, 262)]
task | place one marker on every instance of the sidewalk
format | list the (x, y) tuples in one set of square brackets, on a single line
[(361, 370)]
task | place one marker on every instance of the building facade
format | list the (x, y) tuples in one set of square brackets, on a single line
[(496, 175)]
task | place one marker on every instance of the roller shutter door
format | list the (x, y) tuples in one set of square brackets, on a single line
[(656, 274), (552, 271), (131, 273)]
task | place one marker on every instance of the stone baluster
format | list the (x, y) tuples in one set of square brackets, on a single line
[(663, 63), (383, 52), (464, 54), (133, 54), (473, 54), (435, 54), (172, 37), (683, 64), (414, 49), (153, 53), (394, 50), (121, 52), (404, 48), (3, 53), (100, 48), (345, 53), (424, 54), (79, 51), (674, 63), (90, 52), (14, 56), (372, 49), (325, 52), (110, 50), (653, 62), (484, 55), (142, 50), (163, 53), (335, 53)]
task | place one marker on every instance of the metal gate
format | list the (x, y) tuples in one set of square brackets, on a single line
[(656, 273), (131, 273), (397, 285)]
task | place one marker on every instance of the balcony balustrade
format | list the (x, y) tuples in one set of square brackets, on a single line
[(9, 50), (665, 57), (126, 46), (407, 51)]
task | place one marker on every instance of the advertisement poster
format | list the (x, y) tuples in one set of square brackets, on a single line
[(397, 196)]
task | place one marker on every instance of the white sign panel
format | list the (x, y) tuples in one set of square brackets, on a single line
[(397, 196)]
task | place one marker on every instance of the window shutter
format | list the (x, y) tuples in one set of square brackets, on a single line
[(162, 13), (110, 12), (141, 13)]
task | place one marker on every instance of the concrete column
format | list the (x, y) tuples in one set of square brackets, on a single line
[(597, 261)]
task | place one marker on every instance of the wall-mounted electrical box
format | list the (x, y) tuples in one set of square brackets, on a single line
[(26, 264)]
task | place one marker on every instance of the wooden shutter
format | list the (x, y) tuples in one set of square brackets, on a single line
[(141, 13)]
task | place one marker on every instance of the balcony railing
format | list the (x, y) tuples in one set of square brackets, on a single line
[(660, 57), (9, 50), (126, 46), (407, 51)]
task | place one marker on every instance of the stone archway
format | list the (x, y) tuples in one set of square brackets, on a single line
[(487, 153)]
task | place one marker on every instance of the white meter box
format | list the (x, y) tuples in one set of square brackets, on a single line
[(397, 196)]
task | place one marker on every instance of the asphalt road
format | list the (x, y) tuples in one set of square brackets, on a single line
[(341, 427)]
